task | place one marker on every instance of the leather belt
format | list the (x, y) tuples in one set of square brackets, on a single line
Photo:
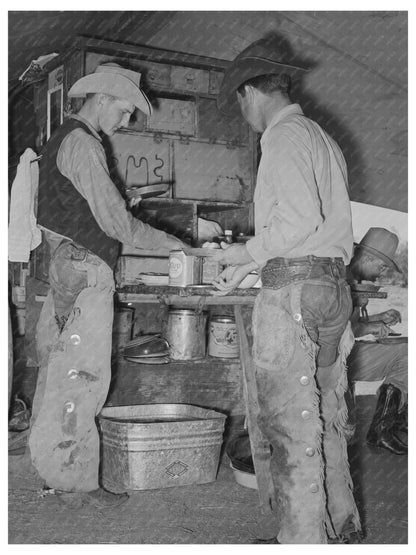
[(280, 272)]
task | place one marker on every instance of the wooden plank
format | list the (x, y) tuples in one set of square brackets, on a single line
[(151, 54), (260, 447), (190, 79), (173, 116), (183, 301), (211, 172), (210, 383), (212, 124), (138, 160)]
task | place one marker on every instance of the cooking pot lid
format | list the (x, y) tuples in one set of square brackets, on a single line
[(155, 347), (147, 191), (154, 360)]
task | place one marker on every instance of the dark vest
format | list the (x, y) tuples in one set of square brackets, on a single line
[(62, 209)]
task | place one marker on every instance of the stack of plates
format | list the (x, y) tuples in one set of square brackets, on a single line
[(147, 349)]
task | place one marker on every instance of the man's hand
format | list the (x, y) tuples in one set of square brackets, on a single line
[(133, 197), (378, 329), (391, 317), (207, 229), (234, 255), (230, 278)]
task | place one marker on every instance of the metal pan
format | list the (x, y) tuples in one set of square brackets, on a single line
[(147, 191), (156, 360)]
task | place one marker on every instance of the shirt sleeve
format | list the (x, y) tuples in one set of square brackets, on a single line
[(287, 177), (81, 158)]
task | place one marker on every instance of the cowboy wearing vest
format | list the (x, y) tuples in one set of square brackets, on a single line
[(377, 361), (84, 219), (302, 336)]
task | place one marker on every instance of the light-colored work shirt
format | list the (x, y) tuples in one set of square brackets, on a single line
[(301, 202), (81, 158)]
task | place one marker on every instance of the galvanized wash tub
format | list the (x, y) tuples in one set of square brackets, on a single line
[(159, 446)]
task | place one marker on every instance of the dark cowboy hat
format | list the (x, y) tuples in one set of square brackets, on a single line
[(262, 57), (381, 243)]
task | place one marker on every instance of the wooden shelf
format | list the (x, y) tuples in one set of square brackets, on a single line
[(184, 296), (202, 205), (158, 55)]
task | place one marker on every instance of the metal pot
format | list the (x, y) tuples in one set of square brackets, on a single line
[(186, 334)]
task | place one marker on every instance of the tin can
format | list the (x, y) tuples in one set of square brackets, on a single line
[(210, 269), (184, 269), (222, 339), (186, 334)]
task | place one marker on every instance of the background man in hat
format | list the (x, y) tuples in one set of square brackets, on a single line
[(302, 336), (377, 361), (84, 219)]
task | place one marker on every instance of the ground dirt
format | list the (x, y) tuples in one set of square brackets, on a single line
[(222, 512)]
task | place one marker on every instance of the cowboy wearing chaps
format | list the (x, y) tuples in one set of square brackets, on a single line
[(302, 336)]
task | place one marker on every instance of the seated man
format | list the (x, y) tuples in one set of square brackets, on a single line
[(377, 361)]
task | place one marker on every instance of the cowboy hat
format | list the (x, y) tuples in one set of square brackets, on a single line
[(262, 57), (381, 243), (114, 80)]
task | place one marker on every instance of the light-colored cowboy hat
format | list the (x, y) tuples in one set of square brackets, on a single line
[(114, 80), (262, 57), (381, 243)]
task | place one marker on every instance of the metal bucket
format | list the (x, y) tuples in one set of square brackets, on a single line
[(222, 339), (158, 446), (186, 334)]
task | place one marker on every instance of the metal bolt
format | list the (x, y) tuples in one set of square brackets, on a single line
[(310, 451), (75, 339), (297, 317), (304, 380), (306, 414), (69, 406)]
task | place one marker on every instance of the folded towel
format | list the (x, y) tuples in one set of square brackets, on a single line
[(24, 235)]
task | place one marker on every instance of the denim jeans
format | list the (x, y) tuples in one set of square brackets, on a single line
[(326, 308), (71, 270), (74, 351), (302, 337), (370, 362), (35, 289)]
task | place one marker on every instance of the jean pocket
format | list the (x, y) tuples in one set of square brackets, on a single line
[(66, 274), (274, 332), (321, 300)]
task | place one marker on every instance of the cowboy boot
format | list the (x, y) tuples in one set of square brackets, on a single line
[(381, 431), (401, 422), (401, 426)]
